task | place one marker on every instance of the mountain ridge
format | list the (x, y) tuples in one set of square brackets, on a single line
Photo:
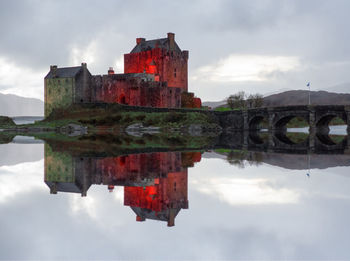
[(13, 105), (297, 97)]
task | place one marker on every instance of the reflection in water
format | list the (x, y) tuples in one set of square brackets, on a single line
[(246, 202), (155, 184)]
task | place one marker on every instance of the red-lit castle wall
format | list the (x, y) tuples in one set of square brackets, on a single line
[(135, 168), (168, 192), (168, 65), (135, 90)]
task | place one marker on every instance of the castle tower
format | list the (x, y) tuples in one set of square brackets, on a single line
[(160, 57)]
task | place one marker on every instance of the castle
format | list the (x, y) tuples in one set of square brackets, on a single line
[(155, 75), (155, 184)]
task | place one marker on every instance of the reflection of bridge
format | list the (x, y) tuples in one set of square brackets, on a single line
[(318, 117), (278, 141)]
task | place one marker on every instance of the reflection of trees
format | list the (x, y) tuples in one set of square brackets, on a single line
[(337, 138), (237, 158), (297, 137), (6, 137), (255, 159)]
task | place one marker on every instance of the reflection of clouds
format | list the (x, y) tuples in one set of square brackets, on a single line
[(83, 205), (21, 178), (246, 191), (118, 194), (93, 205)]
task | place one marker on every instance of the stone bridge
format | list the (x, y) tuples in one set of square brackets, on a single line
[(318, 117), (248, 123)]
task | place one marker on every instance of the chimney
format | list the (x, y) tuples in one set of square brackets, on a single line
[(53, 69), (84, 65), (171, 219), (110, 188), (110, 71), (140, 40), (185, 54), (53, 188), (140, 219), (171, 39)]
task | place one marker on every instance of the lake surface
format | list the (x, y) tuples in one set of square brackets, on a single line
[(27, 119), (196, 205)]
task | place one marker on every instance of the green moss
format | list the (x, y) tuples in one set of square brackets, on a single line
[(223, 109), (115, 116), (222, 151)]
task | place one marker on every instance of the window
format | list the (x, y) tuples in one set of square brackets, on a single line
[(175, 72)]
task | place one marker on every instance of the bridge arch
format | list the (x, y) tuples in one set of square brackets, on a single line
[(283, 137), (323, 121), (255, 138), (324, 142), (255, 122), (281, 122)]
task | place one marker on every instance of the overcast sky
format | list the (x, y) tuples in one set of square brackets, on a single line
[(260, 46)]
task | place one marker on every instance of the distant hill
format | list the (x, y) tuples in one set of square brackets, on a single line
[(13, 105), (301, 97), (214, 104), (297, 97)]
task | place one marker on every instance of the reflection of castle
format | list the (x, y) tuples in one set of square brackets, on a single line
[(155, 184), (155, 75)]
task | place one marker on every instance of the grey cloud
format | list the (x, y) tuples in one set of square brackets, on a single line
[(37, 34)]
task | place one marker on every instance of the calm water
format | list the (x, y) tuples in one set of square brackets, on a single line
[(26, 119), (278, 207)]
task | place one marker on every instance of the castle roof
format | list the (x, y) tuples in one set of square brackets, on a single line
[(65, 72), (64, 186), (162, 215), (162, 43)]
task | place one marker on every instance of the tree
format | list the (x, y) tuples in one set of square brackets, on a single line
[(236, 101), (258, 100), (255, 101), (239, 101)]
